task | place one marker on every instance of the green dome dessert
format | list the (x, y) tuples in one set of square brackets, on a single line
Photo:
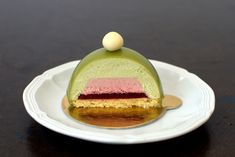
[(116, 87), (116, 77)]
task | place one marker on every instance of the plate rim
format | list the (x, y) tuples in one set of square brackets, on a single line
[(42, 118)]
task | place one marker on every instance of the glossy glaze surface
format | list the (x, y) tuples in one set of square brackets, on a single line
[(124, 62)]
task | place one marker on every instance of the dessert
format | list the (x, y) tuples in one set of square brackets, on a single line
[(115, 86)]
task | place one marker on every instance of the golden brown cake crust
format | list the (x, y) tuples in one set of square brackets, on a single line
[(118, 103)]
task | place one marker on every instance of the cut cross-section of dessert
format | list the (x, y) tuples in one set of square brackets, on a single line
[(114, 78), (123, 75)]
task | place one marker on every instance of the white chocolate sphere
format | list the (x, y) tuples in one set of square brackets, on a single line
[(112, 41)]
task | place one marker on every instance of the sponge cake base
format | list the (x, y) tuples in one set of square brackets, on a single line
[(111, 117), (118, 103)]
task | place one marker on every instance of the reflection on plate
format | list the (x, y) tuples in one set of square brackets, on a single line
[(43, 96)]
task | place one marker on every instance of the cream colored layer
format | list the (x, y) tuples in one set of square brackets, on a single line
[(118, 103)]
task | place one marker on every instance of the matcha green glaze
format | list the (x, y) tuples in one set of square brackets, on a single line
[(121, 63)]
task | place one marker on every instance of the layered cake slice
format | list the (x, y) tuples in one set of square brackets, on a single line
[(114, 80)]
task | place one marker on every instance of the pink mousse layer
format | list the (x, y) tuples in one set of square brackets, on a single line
[(105, 88)]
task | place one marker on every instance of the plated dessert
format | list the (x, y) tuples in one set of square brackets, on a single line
[(116, 87)]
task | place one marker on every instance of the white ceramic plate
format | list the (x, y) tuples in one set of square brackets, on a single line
[(42, 100)]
